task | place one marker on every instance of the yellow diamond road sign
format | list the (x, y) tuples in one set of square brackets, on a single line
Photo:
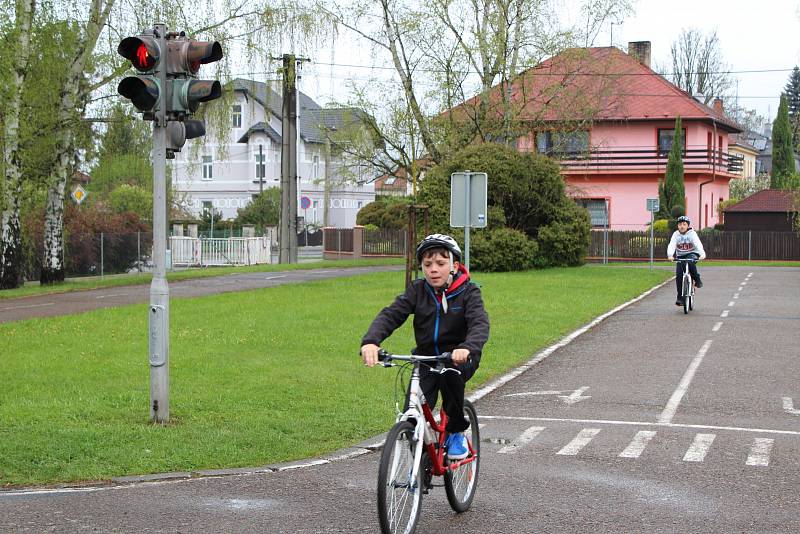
[(78, 194)]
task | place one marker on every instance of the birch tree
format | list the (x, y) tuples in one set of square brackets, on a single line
[(11, 180)]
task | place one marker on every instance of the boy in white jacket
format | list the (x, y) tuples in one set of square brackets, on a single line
[(685, 245)]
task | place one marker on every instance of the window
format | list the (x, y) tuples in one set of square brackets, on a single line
[(665, 139), (208, 168), (207, 206), (315, 168), (261, 168), (237, 115), (562, 142), (597, 208), (390, 180)]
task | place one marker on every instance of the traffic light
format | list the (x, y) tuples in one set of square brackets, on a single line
[(184, 58), (143, 90)]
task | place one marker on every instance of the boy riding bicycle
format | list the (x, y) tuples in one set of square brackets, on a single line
[(685, 244), (448, 317)]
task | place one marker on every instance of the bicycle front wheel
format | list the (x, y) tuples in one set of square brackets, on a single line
[(461, 482), (399, 496), (686, 294)]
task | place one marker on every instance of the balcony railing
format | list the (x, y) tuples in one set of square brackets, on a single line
[(694, 159)]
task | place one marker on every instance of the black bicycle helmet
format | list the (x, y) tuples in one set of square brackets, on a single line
[(684, 218), (439, 241)]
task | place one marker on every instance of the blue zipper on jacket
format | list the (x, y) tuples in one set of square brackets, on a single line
[(436, 325)]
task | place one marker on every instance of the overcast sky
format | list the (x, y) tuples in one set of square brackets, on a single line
[(754, 35)]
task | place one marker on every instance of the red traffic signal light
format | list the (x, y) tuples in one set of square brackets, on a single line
[(142, 51)]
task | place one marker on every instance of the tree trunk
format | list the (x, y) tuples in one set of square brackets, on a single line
[(73, 99), (11, 270)]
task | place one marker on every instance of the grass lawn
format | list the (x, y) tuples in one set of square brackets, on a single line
[(256, 377), (95, 282)]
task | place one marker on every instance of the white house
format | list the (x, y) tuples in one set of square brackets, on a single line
[(227, 176)]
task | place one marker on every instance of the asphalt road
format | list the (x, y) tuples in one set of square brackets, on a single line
[(80, 301), (652, 421)]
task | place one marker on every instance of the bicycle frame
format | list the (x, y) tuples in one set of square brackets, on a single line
[(428, 434), (686, 274)]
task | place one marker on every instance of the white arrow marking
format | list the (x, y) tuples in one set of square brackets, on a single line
[(788, 406), (575, 396)]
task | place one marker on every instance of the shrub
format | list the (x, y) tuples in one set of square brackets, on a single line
[(501, 250), (388, 213), (661, 226), (262, 211), (565, 241)]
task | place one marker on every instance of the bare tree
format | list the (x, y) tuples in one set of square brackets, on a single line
[(698, 65)]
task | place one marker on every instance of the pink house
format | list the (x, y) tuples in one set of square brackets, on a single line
[(610, 121)]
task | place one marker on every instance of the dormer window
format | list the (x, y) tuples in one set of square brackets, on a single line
[(237, 115)]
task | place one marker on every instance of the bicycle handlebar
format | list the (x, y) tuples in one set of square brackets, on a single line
[(385, 356), (692, 260)]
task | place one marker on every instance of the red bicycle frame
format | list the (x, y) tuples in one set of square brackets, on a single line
[(436, 450)]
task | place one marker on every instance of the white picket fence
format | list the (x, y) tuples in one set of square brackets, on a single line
[(191, 251)]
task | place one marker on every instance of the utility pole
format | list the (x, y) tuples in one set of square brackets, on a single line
[(327, 194), (288, 229)]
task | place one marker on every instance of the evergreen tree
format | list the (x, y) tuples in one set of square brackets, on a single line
[(782, 153), (792, 91), (674, 188)]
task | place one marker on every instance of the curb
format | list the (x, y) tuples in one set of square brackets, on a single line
[(372, 444)]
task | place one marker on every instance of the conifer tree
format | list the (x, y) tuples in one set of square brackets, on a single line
[(782, 153), (792, 91), (674, 188)]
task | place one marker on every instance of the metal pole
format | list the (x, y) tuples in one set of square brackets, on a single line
[(212, 221), (749, 245), (467, 217), (288, 232), (102, 254), (651, 240), (139, 250), (159, 289)]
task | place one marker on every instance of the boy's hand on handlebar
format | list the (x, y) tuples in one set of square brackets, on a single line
[(459, 356), (369, 354)]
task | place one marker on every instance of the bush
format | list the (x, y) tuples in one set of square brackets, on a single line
[(388, 213), (262, 211), (661, 226), (525, 190), (132, 198), (565, 241), (501, 250)]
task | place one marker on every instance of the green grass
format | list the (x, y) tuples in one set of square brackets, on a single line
[(80, 284), (709, 263), (256, 377)]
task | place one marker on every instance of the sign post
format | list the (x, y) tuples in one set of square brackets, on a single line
[(468, 204), (652, 207)]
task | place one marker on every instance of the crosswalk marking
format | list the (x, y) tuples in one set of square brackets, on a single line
[(580, 441), (759, 452), (699, 447), (637, 445), (521, 440)]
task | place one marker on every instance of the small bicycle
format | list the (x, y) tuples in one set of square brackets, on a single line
[(415, 452), (687, 285)]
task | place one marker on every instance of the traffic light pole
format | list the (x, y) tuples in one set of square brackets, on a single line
[(159, 289)]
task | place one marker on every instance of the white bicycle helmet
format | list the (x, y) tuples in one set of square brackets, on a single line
[(684, 218), (439, 241)]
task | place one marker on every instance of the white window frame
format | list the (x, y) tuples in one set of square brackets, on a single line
[(260, 166), (237, 116), (208, 167)]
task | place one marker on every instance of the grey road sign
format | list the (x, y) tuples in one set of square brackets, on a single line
[(467, 187), (652, 204)]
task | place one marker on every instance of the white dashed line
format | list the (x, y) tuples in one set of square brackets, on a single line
[(637, 445), (111, 295), (724, 313), (740, 288), (731, 303), (699, 447), (672, 405), (717, 327), (27, 306), (736, 295), (759, 453), (581, 440), (521, 440)]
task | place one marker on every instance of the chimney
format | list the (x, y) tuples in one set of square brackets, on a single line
[(641, 51), (718, 106)]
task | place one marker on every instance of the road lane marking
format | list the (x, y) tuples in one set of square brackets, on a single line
[(788, 406), (637, 445), (740, 288), (717, 327), (27, 306), (521, 440), (641, 423), (744, 283), (731, 303), (724, 313), (672, 405), (580, 441), (759, 453), (111, 295), (736, 295), (699, 447)]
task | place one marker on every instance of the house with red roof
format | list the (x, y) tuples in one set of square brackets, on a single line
[(609, 119), (768, 210)]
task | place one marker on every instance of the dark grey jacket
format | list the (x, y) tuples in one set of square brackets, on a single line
[(465, 325)]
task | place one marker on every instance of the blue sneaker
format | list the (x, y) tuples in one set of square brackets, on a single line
[(456, 446)]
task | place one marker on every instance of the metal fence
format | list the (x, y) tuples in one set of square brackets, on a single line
[(190, 251), (720, 245), (384, 242)]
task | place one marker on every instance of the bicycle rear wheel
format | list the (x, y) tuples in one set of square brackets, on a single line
[(399, 497), (460, 483)]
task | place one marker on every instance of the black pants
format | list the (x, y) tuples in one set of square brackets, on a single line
[(679, 275), (452, 387)]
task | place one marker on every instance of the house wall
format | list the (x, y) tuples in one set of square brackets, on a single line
[(234, 182), (644, 135)]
